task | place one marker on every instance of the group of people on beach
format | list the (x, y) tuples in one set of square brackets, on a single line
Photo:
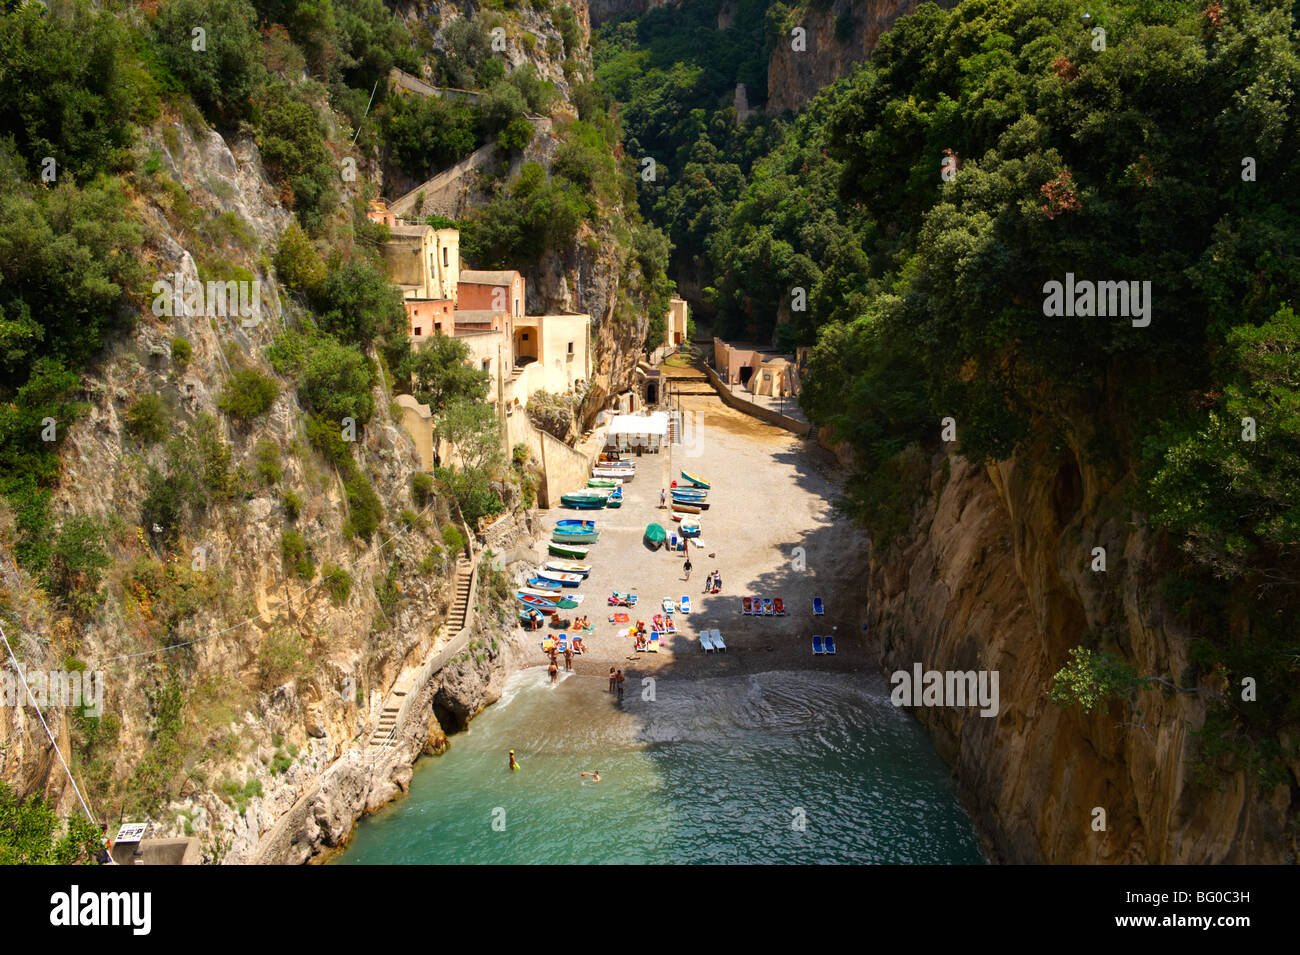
[(616, 681), (554, 669)]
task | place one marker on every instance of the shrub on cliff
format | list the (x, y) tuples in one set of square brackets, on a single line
[(248, 394)]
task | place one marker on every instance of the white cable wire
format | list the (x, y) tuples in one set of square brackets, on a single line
[(41, 717)]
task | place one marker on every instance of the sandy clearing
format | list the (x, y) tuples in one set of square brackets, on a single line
[(771, 494)]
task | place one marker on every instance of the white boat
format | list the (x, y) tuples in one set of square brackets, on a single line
[(568, 567), (611, 473), (560, 577)]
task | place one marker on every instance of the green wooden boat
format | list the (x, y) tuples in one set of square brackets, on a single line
[(655, 535), (604, 482), (571, 551)]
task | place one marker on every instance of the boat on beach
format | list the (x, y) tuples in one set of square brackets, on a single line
[(615, 500), (697, 481), (568, 567), (684, 508), (560, 578), (582, 503), (605, 482), (690, 527), (564, 549), (624, 474), (655, 535)]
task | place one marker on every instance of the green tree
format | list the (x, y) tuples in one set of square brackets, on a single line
[(223, 75), (439, 375), (31, 833)]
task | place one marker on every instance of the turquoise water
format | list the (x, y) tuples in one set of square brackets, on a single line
[(709, 771)]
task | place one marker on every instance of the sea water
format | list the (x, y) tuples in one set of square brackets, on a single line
[(781, 767)]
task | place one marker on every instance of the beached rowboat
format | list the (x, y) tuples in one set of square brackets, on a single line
[(686, 508), (690, 527), (604, 482), (697, 481), (568, 567), (582, 503), (655, 535), (560, 578), (572, 551)]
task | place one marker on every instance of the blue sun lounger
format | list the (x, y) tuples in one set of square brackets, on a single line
[(768, 608), (686, 603), (817, 644), (830, 643), (818, 607)]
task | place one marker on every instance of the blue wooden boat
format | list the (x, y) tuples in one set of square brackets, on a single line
[(691, 493), (536, 603), (697, 481), (541, 583), (615, 499), (572, 524), (575, 537)]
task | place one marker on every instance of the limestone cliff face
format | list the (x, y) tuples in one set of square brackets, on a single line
[(248, 740), (839, 36), (997, 576), (602, 10)]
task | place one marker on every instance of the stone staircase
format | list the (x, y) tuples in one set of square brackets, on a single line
[(385, 730)]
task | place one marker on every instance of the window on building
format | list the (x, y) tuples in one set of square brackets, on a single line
[(444, 257), (523, 337), (570, 348), (418, 331), (487, 365)]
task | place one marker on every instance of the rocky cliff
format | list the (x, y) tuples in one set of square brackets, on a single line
[(233, 680), (838, 36), (996, 575)]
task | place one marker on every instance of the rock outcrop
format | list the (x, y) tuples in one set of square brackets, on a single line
[(838, 36), (996, 576)]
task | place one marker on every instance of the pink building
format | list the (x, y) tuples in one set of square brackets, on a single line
[(429, 316), (491, 291)]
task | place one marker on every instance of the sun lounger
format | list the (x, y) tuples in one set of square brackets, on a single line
[(817, 644), (668, 605), (768, 608), (654, 643), (705, 643), (672, 542), (746, 605), (780, 606), (669, 626), (818, 608), (716, 637), (548, 644), (830, 643), (686, 604)]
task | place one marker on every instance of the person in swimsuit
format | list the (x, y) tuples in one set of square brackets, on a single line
[(620, 684), (613, 679), (553, 670), (513, 764), (568, 659)]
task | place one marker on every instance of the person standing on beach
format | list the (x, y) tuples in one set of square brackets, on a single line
[(612, 679), (620, 684), (717, 580), (663, 499), (568, 658), (553, 670), (687, 568), (708, 582)]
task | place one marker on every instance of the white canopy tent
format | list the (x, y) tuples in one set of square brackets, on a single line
[(627, 432)]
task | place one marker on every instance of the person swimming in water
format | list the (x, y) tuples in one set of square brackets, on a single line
[(513, 764), (595, 777)]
